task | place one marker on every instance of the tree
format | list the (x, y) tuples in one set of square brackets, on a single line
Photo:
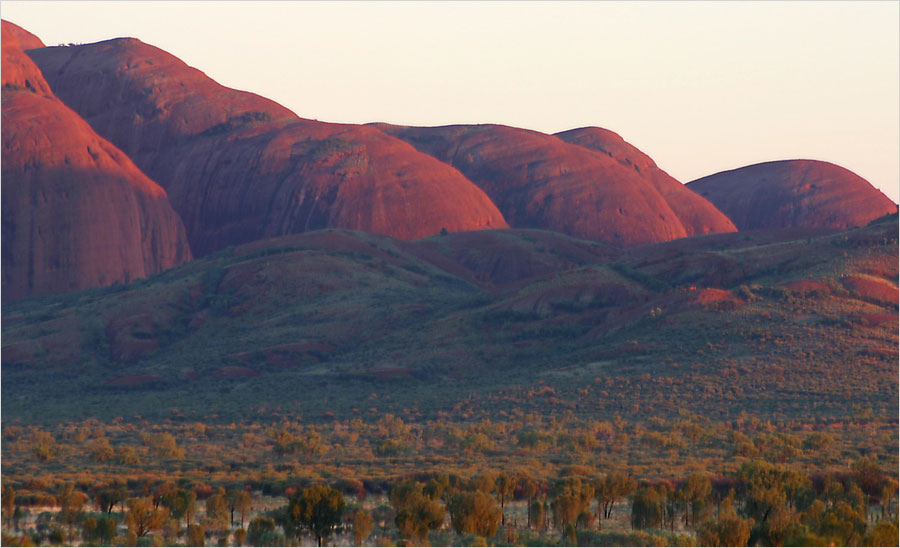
[(571, 497), (610, 490), (417, 513), (505, 486), (529, 489), (107, 497), (362, 526), (9, 503), (177, 501), (647, 507), (70, 506), (728, 530), (869, 477), (474, 512), (883, 534), (317, 509), (888, 494), (217, 509), (196, 535), (244, 505), (239, 536), (142, 517), (694, 495), (537, 513), (190, 506), (261, 532), (100, 530)]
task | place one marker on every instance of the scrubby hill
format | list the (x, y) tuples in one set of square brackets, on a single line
[(239, 167), (320, 321), (794, 193), (77, 213)]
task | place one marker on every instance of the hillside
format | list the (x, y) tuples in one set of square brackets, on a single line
[(541, 181), (239, 167), (776, 324), (794, 193), (77, 213)]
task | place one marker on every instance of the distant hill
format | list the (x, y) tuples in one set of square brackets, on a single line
[(794, 193), (239, 167), (77, 213), (541, 181), (775, 323)]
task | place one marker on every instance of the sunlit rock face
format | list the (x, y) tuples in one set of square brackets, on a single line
[(239, 167), (542, 181), (697, 215), (77, 213), (794, 193)]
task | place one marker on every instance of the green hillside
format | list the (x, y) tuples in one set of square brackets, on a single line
[(777, 324)]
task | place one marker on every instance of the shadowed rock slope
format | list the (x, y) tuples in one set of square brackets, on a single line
[(77, 213), (541, 181), (794, 193), (239, 167)]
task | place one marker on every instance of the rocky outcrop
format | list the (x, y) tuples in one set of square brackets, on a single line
[(239, 167), (77, 213), (794, 193), (696, 213), (541, 181)]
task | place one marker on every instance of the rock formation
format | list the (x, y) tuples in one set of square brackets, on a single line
[(794, 193), (541, 181), (239, 167), (77, 213)]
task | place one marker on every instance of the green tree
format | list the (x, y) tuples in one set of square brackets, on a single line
[(417, 513), (529, 490), (505, 486), (107, 497), (99, 530), (142, 517), (239, 536), (317, 509), (9, 504), (537, 514), (571, 497), (694, 494), (196, 535), (217, 510), (70, 503), (870, 479), (728, 530), (648, 507), (362, 526), (261, 532), (474, 512), (609, 490), (883, 534), (244, 504)]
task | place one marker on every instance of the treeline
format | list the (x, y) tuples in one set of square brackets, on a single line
[(759, 504)]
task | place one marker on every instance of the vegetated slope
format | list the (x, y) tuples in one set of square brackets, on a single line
[(77, 213), (239, 167), (794, 193), (696, 214), (540, 181), (335, 321)]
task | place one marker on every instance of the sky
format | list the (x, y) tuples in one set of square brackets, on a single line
[(701, 87)]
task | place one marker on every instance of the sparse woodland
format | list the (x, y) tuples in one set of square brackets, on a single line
[(518, 480)]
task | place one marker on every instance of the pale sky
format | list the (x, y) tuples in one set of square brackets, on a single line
[(699, 86)]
